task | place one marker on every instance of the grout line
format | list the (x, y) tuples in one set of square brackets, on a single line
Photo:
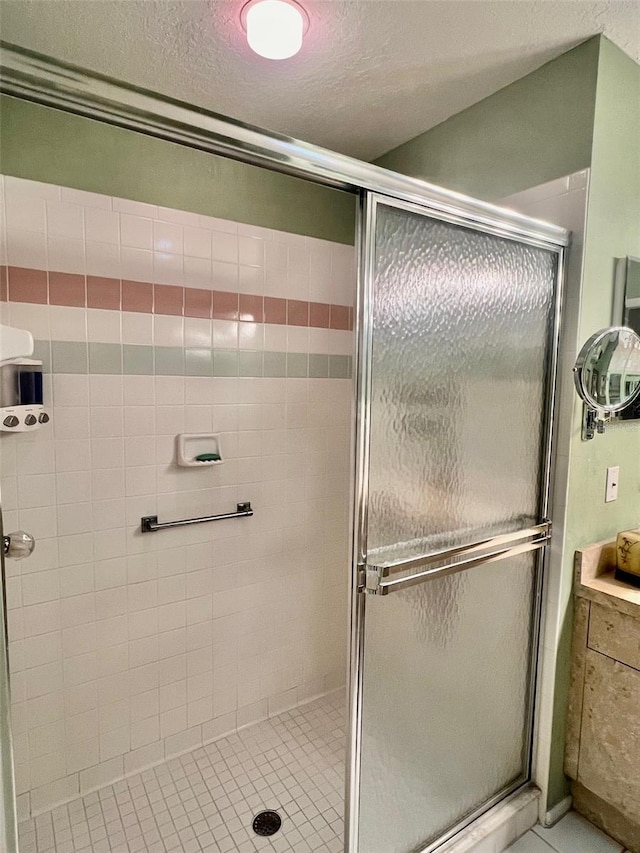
[(532, 831)]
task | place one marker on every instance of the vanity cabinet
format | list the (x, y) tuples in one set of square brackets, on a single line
[(603, 734)]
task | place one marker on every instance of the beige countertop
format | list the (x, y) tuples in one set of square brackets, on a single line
[(594, 579)]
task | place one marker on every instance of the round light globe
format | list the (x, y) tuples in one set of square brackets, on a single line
[(274, 29)]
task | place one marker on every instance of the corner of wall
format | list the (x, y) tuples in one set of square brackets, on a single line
[(532, 131)]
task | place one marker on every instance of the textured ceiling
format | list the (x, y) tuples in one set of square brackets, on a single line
[(370, 75)]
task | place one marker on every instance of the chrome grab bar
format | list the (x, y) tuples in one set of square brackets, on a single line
[(374, 576), (150, 523)]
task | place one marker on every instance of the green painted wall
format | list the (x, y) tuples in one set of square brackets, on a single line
[(613, 231), (45, 144), (532, 131)]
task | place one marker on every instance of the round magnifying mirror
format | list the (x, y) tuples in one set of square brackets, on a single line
[(607, 371)]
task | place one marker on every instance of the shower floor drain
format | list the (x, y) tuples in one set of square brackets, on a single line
[(267, 823)]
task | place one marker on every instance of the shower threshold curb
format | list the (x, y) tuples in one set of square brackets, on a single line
[(504, 823)]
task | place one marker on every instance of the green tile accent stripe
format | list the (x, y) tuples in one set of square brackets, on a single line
[(297, 364), (105, 358), (137, 360), (318, 366), (42, 352), (69, 357), (169, 361), (133, 360), (249, 363), (225, 363), (275, 364), (339, 366), (199, 362)]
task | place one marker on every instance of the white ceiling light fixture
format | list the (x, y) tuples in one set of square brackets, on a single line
[(274, 28)]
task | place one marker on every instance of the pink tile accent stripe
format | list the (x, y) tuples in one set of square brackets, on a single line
[(19, 284), (27, 285), (67, 289), (137, 296), (4, 285), (101, 292), (197, 303)]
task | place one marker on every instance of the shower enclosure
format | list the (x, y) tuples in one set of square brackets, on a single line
[(457, 325), (457, 339)]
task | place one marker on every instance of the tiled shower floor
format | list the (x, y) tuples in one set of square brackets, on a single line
[(205, 800)]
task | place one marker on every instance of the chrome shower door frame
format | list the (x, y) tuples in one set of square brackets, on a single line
[(489, 550), (8, 811)]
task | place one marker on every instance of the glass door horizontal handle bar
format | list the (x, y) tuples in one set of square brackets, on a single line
[(150, 523), (388, 568), (375, 585)]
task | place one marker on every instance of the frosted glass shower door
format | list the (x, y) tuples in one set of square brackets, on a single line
[(456, 371)]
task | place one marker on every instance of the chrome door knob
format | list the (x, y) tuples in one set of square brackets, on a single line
[(18, 545)]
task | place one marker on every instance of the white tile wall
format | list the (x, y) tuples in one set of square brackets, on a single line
[(125, 648), (78, 232)]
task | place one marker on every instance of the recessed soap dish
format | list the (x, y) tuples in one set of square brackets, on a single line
[(198, 450)]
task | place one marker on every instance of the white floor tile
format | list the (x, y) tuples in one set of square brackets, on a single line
[(574, 834), (206, 799), (530, 843)]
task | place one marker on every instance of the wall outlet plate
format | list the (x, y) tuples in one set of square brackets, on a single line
[(613, 478)]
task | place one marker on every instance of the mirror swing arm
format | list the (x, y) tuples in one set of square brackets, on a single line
[(607, 377), (592, 423)]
